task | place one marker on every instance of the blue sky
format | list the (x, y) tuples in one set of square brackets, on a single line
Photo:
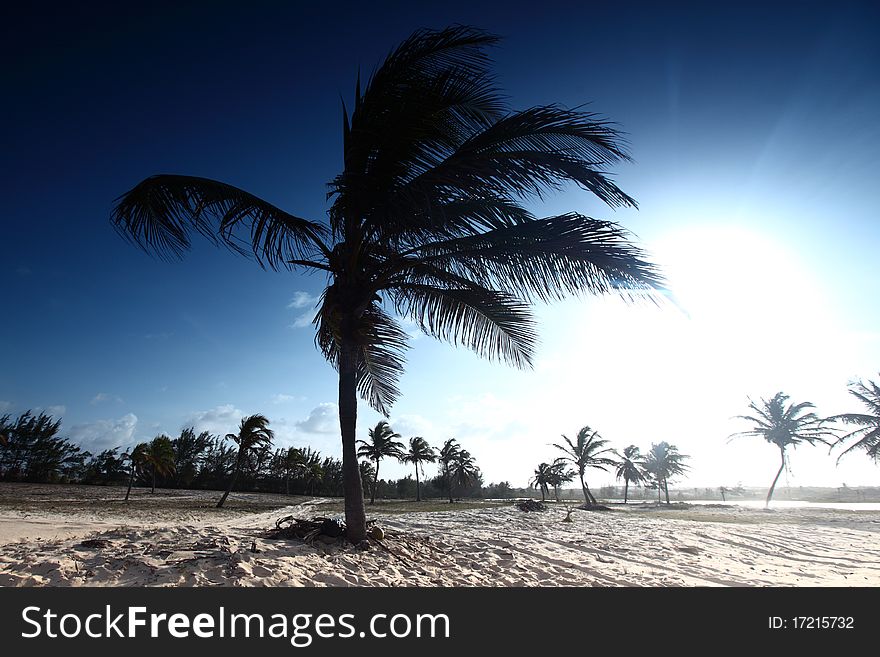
[(755, 136)]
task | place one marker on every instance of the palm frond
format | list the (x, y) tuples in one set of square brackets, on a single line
[(493, 324), (160, 213)]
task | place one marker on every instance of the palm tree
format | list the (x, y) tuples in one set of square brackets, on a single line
[(448, 455), (368, 473), (868, 432), (587, 452), (159, 455), (560, 474), (783, 426), (253, 435), (137, 459), (628, 469), (380, 445), (543, 479), (293, 462), (428, 221), (662, 463), (464, 469), (419, 452)]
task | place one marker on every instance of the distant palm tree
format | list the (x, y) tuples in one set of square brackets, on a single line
[(784, 426), (253, 435), (137, 459), (464, 469), (368, 474), (159, 455), (428, 221), (662, 463), (868, 433), (588, 451), (381, 445), (293, 463), (628, 469), (448, 455), (543, 479), (419, 452), (560, 474)]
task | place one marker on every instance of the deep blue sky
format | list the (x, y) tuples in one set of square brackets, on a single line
[(758, 119)]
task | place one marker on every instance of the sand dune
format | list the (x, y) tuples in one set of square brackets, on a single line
[(493, 546)]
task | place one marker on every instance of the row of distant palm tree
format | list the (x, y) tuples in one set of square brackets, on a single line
[(789, 425), (590, 450), (457, 465)]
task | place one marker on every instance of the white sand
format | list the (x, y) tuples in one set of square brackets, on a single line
[(497, 546)]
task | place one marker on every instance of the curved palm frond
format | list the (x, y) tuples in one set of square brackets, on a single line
[(867, 436), (159, 213)]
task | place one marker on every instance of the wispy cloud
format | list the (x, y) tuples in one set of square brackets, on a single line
[(105, 397), (219, 420), (324, 418), (282, 398), (5, 405), (302, 300), (105, 434)]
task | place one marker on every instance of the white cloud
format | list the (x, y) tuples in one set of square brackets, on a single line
[(302, 300), (105, 434), (5, 406), (282, 398), (324, 418), (220, 420), (104, 397), (56, 411)]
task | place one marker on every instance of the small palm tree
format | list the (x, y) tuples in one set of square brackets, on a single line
[(368, 474), (381, 445), (464, 469), (159, 455), (784, 426), (560, 474), (137, 460), (588, 451), (448, 455), (662, 463), (428, 221), (543, 479), (868, 433), (419, 452), (293, 463), (628, 469), (253, 435)]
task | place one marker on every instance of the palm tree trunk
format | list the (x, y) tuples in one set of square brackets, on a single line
[(666, 489), (231, 481), (355, 514), (625, 489), (773, 485), (449, 486), (375, 483), (130, 482), (418, 492), (584, 488), (154, 480)]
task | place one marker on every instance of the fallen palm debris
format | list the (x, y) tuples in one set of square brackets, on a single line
[(530, 505)]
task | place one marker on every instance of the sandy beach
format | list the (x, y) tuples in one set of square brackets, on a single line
[(86, 536)]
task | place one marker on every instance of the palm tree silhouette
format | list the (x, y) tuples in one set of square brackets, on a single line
[(783, 426), (587, 452), (868, 432), (137, 460), (293, 463), (368, 473), (253, 434), (464, 469), (380, 445), (543, 479), (662, 463), (628, 469), (447, 457), (159, 455), (427, 222), (419, 452), (560, 474)]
